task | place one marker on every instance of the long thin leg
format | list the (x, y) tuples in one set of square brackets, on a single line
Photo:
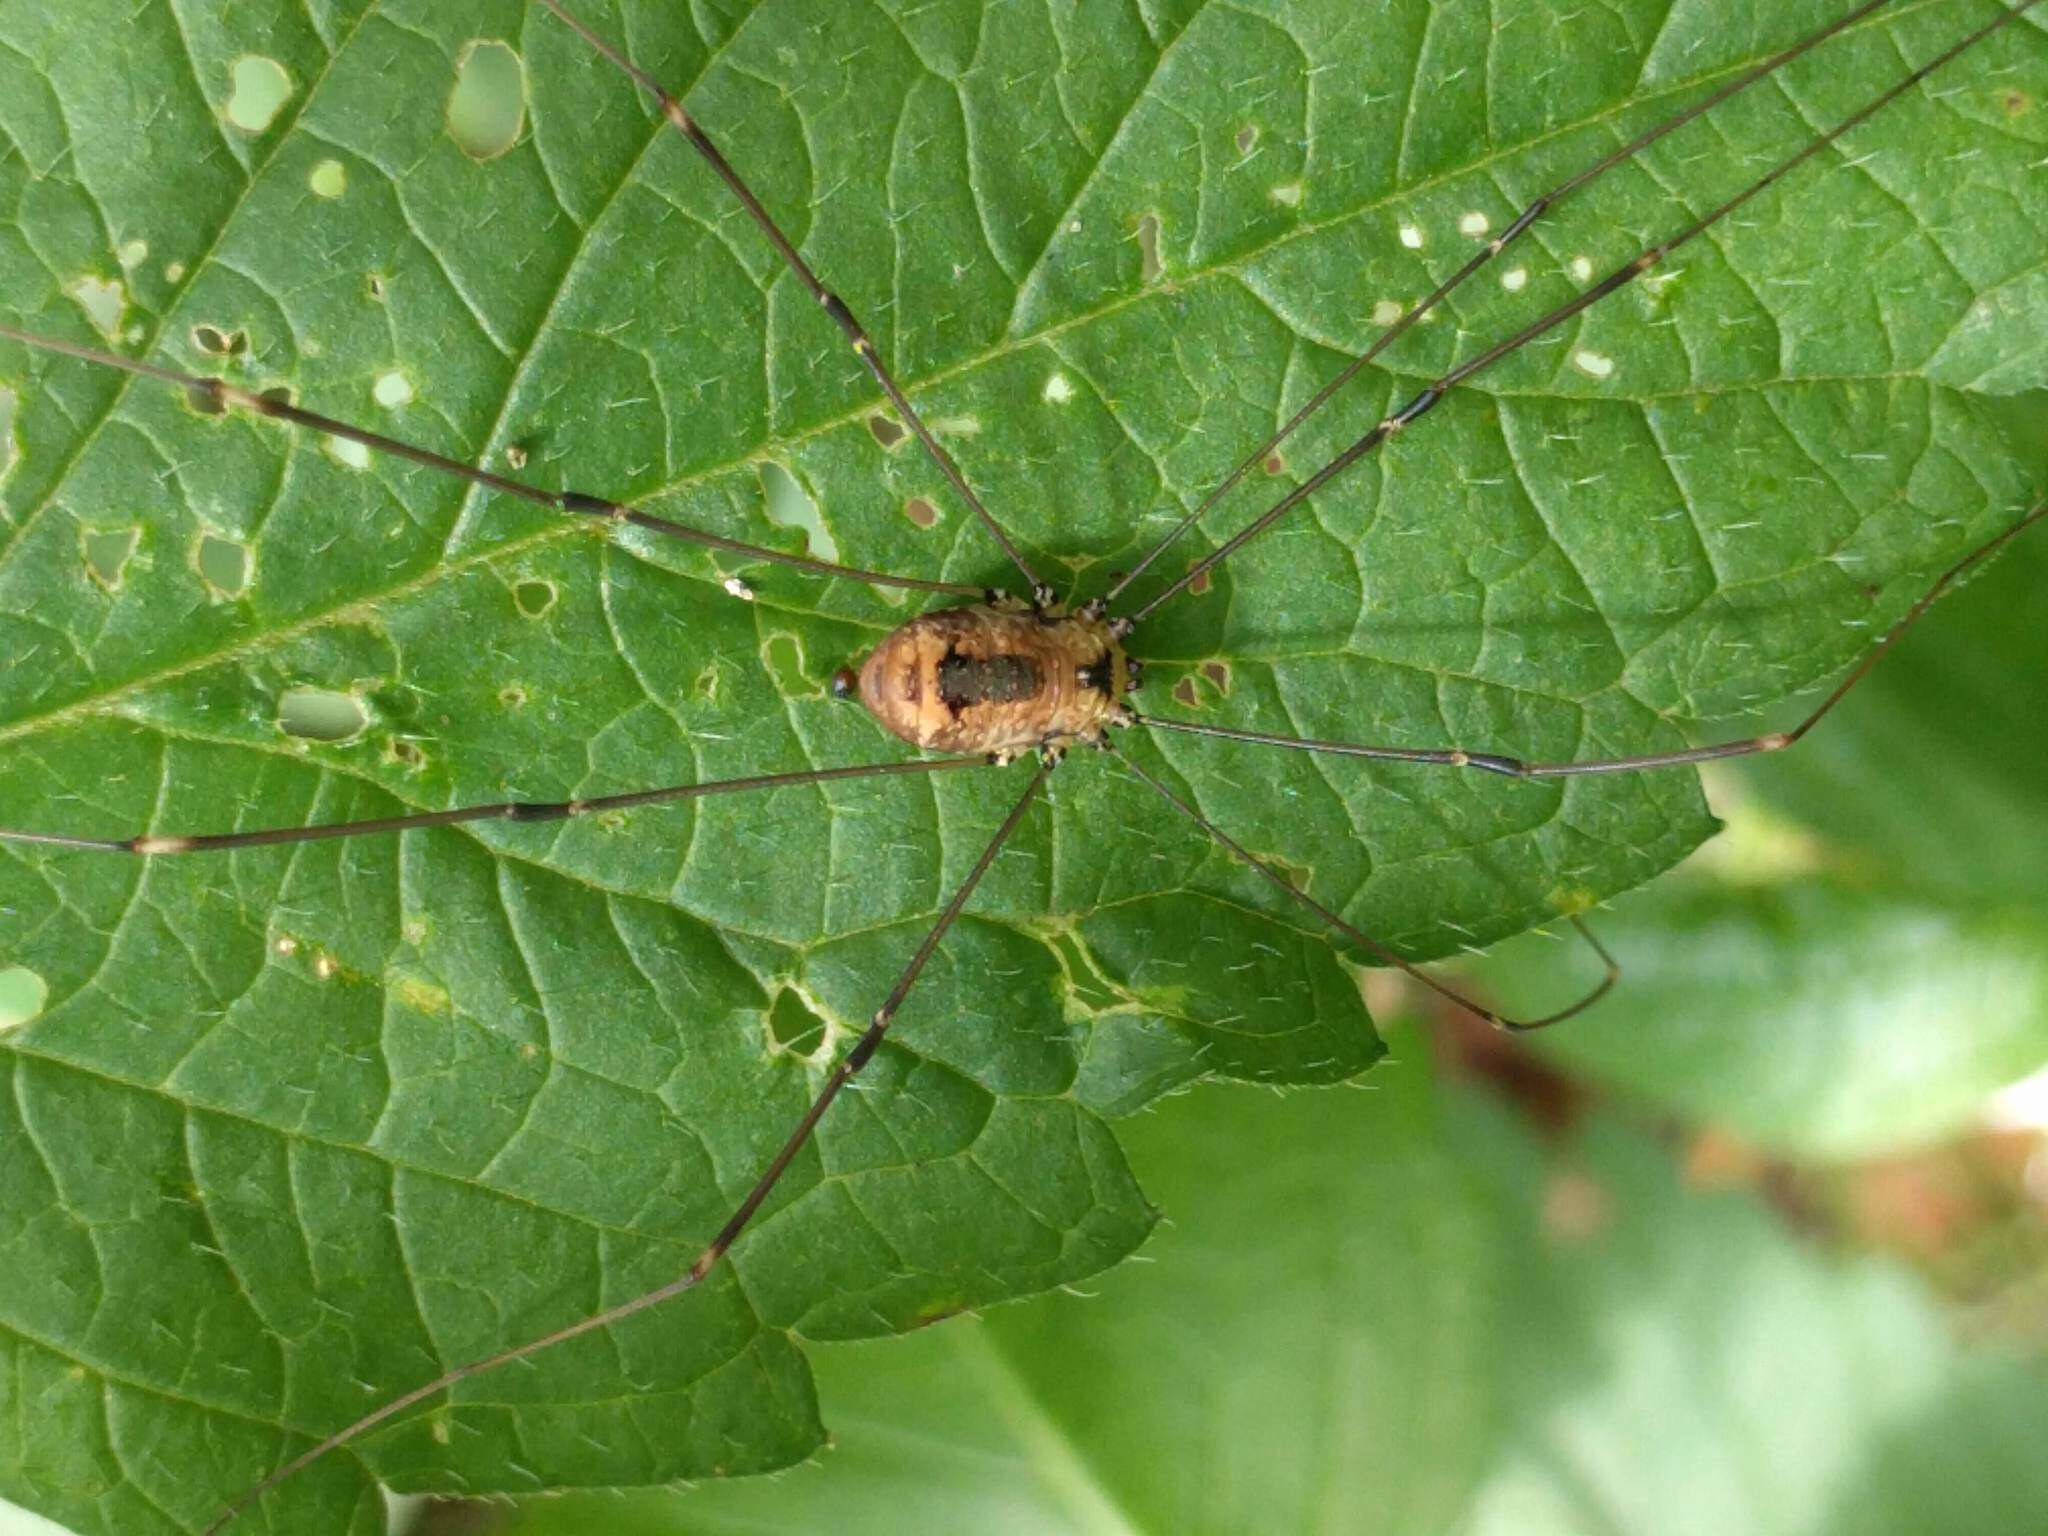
[(1611, 969), (829, 301), (221, 396), (842, 1074), (1619, 278), (1517, 768), (153, 845), (1486, 253)]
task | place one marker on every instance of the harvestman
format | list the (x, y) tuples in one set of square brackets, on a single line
[(999, 676)]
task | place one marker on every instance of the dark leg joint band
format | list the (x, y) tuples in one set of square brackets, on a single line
[(864, 1048)]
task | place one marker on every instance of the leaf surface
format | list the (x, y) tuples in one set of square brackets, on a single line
[(1396, 1311), (296, 1128), (1865, 958)]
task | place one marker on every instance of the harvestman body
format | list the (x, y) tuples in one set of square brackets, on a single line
[(996, 678)]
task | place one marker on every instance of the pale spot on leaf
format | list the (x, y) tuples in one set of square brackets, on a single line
[(104, 303), (352, 454), (22, 996), (260, 88), (487, 109)]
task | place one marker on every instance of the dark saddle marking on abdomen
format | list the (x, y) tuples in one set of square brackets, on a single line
[(965, 680)]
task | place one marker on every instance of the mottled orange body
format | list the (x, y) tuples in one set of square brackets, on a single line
[(997, 680)]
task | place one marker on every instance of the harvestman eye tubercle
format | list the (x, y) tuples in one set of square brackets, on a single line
[(1025, 674)]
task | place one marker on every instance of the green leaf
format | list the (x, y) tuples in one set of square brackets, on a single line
[(1792, 1393), (1854, 982), (1398, 1312), (1821, 1019), (297, 1128)]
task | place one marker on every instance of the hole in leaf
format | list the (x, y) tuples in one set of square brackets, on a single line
[(107, 552), (1148, 248), (216, 342), (792, 1025), (329, 179), (22, 996), (487, 109), (921, 512), (789, 505), (1201, 583), (535, 598), (103, 301), (888, 432), (204, 401), (260, 89), (515, 455), (222, 564), (512, 696), (1218, 673), (1247, 136), (376, 287), (405, 751), (321, 714), (783, 656), (391, 390), (1184, 692)]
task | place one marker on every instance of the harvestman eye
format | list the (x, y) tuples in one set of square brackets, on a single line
[(988, 678)]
